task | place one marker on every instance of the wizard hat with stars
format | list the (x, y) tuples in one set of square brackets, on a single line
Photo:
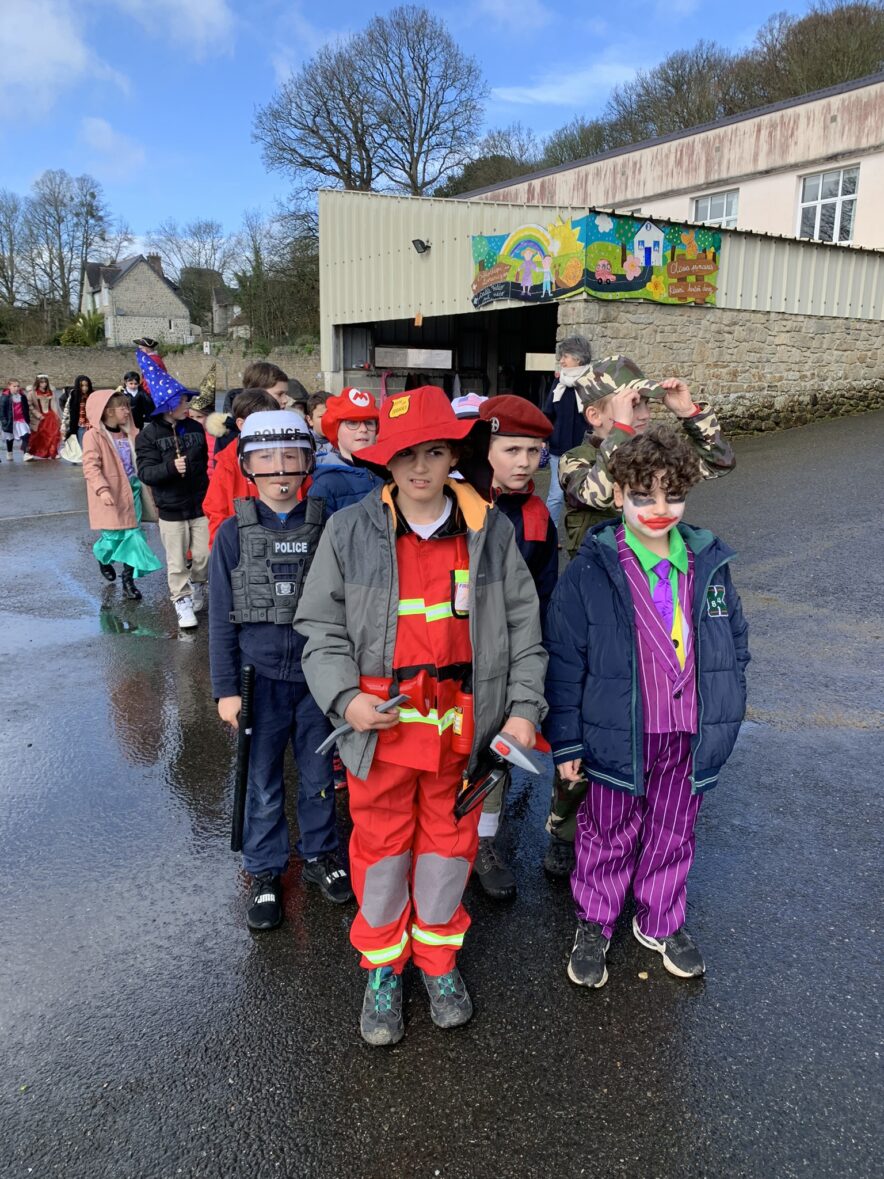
[(165, 391)]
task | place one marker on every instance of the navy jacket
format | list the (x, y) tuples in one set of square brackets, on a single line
[(6, 415), (595, 704), (275, 651), (541, 556), (178, 497), (341, 483), (569, 424)]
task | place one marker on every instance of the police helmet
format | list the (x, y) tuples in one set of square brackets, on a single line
[(275, 429)]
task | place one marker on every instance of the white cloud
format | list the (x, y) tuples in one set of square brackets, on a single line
[(516, 14), (296, 38), (576, 88), (42, 53), (115, 156), (203, 26)]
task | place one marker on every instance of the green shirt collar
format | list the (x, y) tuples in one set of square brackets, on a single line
[(678, 554)]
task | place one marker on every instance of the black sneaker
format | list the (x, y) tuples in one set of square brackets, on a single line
[(381, 1022), (265, 902), (559, 859), (450, 1003), (107, 571), (586, 966), (333, 880), (680, 956), (493, 874)]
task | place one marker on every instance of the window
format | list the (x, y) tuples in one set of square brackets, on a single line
[(828, 201), (718, 208)]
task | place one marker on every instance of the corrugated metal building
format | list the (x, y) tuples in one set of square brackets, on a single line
[(400, 288)]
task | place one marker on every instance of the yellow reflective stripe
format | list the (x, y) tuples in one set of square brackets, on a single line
[(436, 939), (461, 577), (443, 610), (411, 716), (388, 953), (411, 606)]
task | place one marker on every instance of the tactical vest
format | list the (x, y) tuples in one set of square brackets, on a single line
[(260, 594)]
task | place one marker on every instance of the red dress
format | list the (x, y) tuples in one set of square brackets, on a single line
[(45, 440)]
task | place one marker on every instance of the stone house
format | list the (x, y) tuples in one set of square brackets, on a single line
[(227, 317), (136, 299)]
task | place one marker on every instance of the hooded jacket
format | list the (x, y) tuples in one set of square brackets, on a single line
[(341, 483), (226, 483), (595, 703), (348, 614), (178, 497), (103, 469)]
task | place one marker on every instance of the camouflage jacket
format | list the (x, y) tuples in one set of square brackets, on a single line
[(588, 488)]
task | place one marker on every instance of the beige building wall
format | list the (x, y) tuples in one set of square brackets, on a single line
[(763, 156)]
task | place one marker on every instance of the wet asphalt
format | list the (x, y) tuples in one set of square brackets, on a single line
[(145, 1032)]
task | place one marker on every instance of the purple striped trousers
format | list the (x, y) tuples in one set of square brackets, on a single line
[(647, 842)]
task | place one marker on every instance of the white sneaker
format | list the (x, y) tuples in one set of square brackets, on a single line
[(198, 594), (186, 617), (28, 458)]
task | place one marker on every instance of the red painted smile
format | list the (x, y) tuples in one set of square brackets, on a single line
[(658, 523)]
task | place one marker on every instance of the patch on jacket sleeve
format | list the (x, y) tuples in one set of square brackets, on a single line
[(716, 604)]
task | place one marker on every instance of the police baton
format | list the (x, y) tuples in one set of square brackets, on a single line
[(243, 745)]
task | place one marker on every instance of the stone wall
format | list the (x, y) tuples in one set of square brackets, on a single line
[(762, 370), (106, 365)]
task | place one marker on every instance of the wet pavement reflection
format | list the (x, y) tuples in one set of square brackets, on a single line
[(146, 1032)]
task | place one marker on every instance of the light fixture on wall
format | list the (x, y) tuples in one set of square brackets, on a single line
[(420, 246)]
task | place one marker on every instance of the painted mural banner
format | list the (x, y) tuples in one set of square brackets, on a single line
[(602, 255)]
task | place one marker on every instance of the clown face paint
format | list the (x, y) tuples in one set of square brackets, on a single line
[(650, 515)]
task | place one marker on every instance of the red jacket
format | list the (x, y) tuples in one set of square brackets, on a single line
[(226, 483)]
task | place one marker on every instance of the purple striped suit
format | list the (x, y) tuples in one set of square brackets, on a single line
[(647, 842)]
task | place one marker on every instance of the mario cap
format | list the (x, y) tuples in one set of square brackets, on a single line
[(516, 417), (612, 374), (408, 419), (351, 405)]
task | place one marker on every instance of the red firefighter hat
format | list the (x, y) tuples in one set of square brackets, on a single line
[(407, 419), (351, 405)]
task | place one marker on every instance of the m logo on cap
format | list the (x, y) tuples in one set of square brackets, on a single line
[(359, 398), (399, 406)]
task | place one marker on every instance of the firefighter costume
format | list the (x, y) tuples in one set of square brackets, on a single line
[(382, 604)]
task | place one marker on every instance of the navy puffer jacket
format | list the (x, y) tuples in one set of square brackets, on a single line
[(341, 483), (595, 704)]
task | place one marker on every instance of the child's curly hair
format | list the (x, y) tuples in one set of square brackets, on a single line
[(660, 448)]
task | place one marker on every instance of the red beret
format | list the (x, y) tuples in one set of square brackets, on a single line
[(515, 416)]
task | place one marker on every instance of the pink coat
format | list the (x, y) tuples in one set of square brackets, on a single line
[(104, 470)]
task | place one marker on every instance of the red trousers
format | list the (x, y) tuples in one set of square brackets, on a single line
[(409, 864)]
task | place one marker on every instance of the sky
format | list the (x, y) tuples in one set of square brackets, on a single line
[(156, 98)]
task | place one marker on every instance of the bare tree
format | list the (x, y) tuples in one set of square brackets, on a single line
[(321, 121), (517, 142), (201, 245), (577, 140), (117, 239), (11, 232), (397, 105)]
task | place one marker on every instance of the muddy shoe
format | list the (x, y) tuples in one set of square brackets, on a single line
[(381, 1022), (265, 902), (107, 571), (493, 874), (450, 1004), (332, 880), (680, 956), (559, 859)]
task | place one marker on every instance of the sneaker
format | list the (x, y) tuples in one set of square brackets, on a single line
[(184, 610), (381, 1022), (265, 901), (586, 966), (332, 879), (198, 595), (559, 859), (450, 1003), (27, 458), (107, 571), (680, 956), (493, 874)]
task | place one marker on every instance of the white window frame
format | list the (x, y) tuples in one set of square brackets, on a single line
[(729, 220), (838, 202)]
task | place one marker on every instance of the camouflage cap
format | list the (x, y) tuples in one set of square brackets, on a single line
[(611, 374)]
